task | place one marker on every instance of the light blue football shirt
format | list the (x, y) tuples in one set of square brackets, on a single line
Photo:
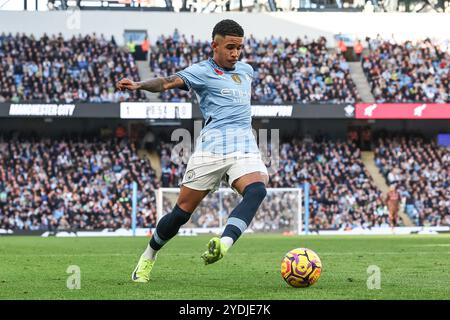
[(224, 97)]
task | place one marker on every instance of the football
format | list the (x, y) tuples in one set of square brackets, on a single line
[(301, 267)]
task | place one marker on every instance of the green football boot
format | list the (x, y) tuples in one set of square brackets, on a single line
[(142, 271), (216, 251)]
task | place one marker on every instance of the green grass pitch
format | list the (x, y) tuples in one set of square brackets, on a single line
[(412, 267)]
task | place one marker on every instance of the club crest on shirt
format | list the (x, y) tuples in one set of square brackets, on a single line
[(236, 78)]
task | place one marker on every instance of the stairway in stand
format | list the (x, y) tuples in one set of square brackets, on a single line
[(368, 158)]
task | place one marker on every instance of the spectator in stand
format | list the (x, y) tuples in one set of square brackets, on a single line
[(353, 135), (358, 49), (131, 47), (120, 132), (145, 45), (366, 138), (342, 47)]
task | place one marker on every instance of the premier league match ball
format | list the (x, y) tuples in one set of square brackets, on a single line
[(301, 267)]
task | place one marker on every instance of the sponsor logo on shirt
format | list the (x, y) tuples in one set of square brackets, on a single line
[(238, 95), (234, 92)]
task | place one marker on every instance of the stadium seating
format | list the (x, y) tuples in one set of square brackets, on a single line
[(54, 70), (73, 183), (408, 71), (421, 171), (343, 195), (84, 69), (301, 71), (85, 183)]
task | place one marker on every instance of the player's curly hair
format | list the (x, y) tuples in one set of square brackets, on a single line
[(228, 27)]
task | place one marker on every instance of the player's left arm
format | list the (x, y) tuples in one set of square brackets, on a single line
[(158, 84), (162, 84)]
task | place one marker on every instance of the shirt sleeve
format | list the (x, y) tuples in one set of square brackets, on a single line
[(193, 77), (250, 72)]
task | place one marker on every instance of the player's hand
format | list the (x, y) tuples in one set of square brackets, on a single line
[(127, 84)]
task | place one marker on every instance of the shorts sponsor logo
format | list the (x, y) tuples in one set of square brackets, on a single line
[(190, 175)]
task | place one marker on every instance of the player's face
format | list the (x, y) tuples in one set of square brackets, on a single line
[(227, 50)]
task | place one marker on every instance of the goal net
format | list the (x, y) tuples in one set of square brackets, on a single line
[(281, 211)]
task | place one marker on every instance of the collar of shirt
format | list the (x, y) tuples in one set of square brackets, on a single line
[(216, 66)]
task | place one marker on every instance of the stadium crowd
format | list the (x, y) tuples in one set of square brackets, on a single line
[(410, 71), (85, 183), (73, 183), (277, 213), (342, 193), (420, 169), (52, 69), (300, 71)]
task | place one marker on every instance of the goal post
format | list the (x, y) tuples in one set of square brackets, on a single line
[(280, 212)]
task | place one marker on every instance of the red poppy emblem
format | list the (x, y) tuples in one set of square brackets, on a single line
[(218, 72)]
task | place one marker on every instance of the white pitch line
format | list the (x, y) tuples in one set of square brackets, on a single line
[(234, 254)]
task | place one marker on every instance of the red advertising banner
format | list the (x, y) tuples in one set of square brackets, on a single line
[(402, 111)]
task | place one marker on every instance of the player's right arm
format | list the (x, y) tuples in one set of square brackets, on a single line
[(153, 85)]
